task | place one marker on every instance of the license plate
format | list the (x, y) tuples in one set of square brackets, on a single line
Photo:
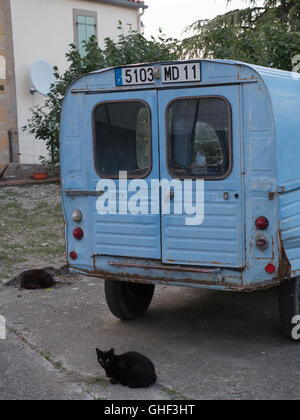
[(130, 76), (180, 73), (169, 73)]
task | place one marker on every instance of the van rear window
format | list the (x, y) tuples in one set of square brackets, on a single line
[(199, 133), (122, 139)]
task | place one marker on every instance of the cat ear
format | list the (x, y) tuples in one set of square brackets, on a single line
[(99, 352), (112, 351)]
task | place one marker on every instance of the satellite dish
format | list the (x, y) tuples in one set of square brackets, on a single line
[(42, 77)]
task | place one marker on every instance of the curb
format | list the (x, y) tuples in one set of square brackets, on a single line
[(28, 182)]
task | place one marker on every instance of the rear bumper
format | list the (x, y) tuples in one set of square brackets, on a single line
[(153, 272)]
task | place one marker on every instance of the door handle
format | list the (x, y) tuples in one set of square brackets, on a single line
[(79, 193)]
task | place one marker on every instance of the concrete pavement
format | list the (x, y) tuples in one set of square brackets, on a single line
[(204, 344)]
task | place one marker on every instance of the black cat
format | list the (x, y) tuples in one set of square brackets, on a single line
[(35, 279), (129, 369)]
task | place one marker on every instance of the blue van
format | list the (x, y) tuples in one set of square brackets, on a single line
[(229, 128)]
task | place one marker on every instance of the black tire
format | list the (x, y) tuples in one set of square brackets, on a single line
[(128, 300), (289, 307)]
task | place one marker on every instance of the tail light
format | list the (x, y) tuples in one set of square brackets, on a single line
[(73, 255), (78, 233), (270, 268), (261, 223), (262, 243)]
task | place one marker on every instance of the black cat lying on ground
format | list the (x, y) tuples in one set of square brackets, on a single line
[(35, 279), (40, 278), (129, 369)]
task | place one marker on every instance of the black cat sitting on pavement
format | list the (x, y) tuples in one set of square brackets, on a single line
[(129, 369)]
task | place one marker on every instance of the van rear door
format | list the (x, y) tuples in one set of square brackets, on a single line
[(200, 138), (124, 130)]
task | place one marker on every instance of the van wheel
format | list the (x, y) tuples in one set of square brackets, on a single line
[(127, 300), (289, 307)]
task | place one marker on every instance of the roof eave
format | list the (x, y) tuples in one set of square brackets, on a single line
[(124, 3)]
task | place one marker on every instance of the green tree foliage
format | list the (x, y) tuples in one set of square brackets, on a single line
[(268, 36), (129, 49)]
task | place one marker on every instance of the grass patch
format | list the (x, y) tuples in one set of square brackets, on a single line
[(58, 365), (31, 229), (173, 394), (46, 355)]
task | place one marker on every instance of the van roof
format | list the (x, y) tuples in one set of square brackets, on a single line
[(263, 71)]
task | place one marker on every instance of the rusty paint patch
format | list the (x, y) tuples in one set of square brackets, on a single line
[(163, 267), (284, 270), (221, 284), (217, 263), (272, 195)]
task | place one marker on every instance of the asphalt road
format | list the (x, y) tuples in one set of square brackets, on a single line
[(204, 344)]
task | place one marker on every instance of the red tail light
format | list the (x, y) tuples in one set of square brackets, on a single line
[(270, 268), (262, 243), (261, 223), (73, 255), (78, 233)]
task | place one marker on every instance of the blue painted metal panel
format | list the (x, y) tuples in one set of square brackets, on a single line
[(74, 163), (218, 241), (284, 92), (260, 180), (124, 235), (290, 227)]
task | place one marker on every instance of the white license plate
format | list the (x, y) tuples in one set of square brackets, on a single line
[(180, 73), (130, 76), (170, 73)]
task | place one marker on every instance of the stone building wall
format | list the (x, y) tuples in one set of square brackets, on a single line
[(8, 107)]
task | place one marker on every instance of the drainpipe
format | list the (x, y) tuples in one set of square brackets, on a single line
[(139, 20), (11, 156)]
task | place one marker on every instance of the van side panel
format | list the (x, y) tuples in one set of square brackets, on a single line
[(260, 181), (290, 227), (284, 90)]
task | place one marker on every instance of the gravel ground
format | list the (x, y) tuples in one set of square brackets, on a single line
[(31, 229)]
